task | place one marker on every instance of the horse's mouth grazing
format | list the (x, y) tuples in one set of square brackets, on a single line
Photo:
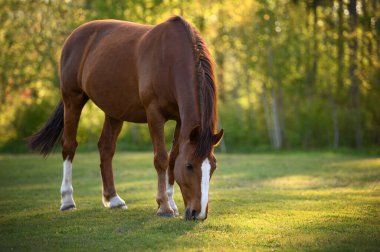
[(192, 215)]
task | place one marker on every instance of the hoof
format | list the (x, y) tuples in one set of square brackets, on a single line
[(176, 213), (173, 206), (168, 212), (119, 207), (115, 202), (67, 202), (169, 215), (175, 209), (67, 207)]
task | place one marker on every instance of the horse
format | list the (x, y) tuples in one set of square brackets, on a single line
[(142, 74)]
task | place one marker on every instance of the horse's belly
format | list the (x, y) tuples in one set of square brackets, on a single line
[(122, 110), (117, 99), (112, 84)]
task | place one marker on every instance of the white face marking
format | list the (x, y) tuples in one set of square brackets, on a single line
[(66, 187), (205, 184), (170, 192)]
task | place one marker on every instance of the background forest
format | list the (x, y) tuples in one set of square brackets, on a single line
[(292, 74)]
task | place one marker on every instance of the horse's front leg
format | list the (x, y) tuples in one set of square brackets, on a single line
[(107, 146), (156, 124), (170, 172)]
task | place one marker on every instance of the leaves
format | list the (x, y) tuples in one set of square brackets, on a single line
[(282, 66)]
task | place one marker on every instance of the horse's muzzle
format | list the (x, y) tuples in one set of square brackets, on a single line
[(192, 214)]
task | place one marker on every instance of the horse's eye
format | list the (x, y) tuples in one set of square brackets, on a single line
[(189, 166)]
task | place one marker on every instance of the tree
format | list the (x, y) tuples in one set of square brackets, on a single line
[(355, 85)]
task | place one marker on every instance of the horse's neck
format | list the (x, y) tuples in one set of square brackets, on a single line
[(189, 116), (186, 128)]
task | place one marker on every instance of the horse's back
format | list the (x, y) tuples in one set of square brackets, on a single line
[(123, 67)]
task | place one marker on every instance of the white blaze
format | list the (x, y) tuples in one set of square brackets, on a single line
[(205, 184)]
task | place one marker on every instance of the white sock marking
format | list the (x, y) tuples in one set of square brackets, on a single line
[(66, 187), (170, 192), (205, 184), (115, 201)]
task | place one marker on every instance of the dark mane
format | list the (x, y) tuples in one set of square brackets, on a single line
[(206, 88)]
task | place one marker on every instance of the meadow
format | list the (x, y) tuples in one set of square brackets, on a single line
[(316, 201)]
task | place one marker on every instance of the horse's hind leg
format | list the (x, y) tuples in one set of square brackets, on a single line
[(107, 146), (73, 106)]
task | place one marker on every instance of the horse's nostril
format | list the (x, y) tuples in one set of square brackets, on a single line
[(191, 214), (194, 214), (187, 214)]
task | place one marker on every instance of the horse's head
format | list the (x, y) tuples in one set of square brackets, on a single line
[(193, 175)]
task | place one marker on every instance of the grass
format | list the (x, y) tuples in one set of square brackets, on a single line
[(263, 202)]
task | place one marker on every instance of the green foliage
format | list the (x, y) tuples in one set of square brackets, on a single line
[(288, 74), (292, 202)]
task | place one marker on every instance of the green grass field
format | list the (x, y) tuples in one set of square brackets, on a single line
[(275, 202)]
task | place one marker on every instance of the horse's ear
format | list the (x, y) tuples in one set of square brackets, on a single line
[(218, 137), (194, 134)]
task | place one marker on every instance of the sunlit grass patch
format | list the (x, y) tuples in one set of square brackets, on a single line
[(293, 201), (295, 182)]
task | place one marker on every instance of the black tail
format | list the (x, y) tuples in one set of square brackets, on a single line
[(46, 138)]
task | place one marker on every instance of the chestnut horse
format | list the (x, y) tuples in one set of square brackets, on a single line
[(142, 74)]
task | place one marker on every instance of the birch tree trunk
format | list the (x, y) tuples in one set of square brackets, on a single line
[(277, 137), (276, 129)]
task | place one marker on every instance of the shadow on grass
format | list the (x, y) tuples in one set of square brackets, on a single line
[(93, 229), (338, 233)]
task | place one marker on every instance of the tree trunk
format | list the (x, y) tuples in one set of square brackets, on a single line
[(280, 107), (267, 116), (335, 98), (314, 74), (277, 138), (276, 130), (307, 57), (335, 122), (355, 88), (376, 10), (340, 48), (250, 110)]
